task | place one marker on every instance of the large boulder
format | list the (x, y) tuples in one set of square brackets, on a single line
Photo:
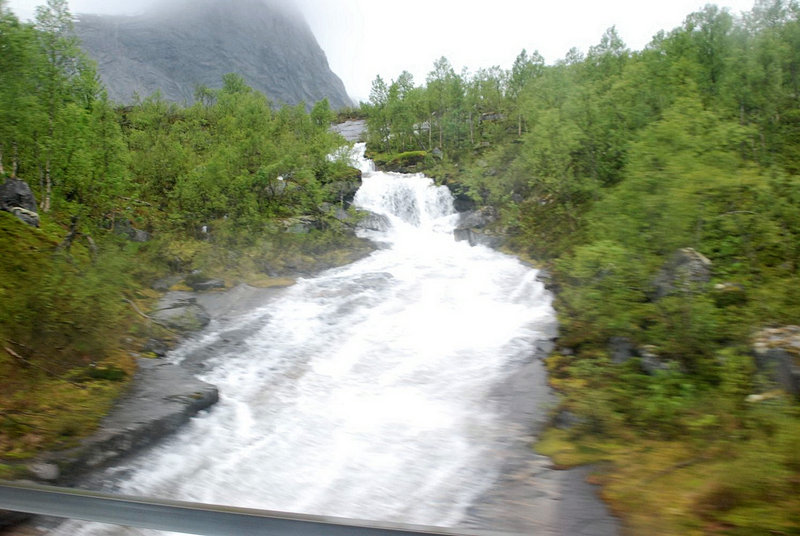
[(462, 200), (472, 227), (477, 219), (342, 192), (686, 272), (181, 312), (478, 238), (777, 353), (17, 198), (373, 222), (621, 349)]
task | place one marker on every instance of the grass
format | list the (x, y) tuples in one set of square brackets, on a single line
[(52, 413), (740, 475)]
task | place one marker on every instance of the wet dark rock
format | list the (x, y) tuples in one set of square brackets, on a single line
[(477, 219), (687, 272), (156, 347), (162, 397), (205, 284), (478, 238), (17, 198), (777, 355), (620, 349), (342, 192), (374, 222), (180, 312), (462, 200), (472, 226)]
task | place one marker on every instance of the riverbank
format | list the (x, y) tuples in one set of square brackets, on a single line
[(531, 495), (526, 483)]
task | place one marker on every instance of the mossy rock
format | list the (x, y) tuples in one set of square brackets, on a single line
[(346, 174), (407, 162), (729, 294)]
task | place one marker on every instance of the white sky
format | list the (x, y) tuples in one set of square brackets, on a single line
[(363, 38)]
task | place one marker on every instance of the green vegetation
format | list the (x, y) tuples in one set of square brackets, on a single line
[(231, 185), (612, 168)]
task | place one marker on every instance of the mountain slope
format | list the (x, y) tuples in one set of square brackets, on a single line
[(176, 48)]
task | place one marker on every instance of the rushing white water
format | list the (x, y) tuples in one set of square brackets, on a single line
[(365, 392)]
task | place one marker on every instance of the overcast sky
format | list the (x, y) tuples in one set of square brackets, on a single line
[(363, 38)]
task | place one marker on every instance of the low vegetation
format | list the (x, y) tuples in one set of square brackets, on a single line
[(659, 188), (230, 185)]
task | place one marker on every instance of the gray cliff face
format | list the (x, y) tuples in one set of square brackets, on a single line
[(186, 44)]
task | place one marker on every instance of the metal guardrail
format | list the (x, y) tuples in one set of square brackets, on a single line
[(195, 518)]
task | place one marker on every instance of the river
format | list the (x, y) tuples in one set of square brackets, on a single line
[(371, 391)]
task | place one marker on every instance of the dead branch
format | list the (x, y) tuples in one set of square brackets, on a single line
[(30, 363), (144, 315)]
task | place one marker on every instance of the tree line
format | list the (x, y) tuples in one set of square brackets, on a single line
[(206, 181), (607, 164)]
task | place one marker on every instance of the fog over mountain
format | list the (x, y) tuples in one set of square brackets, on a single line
[(179, 45)]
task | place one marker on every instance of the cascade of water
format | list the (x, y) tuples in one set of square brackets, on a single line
[(366, 392)]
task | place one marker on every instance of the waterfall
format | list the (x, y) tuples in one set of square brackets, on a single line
[(367, 391)]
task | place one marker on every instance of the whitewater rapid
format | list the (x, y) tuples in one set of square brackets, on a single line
[(367, 391)]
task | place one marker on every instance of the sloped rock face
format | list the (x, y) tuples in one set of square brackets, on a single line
[(473, 226), (179, 311), (177, 47), (162, 398)]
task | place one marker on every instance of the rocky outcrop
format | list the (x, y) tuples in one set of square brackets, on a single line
[(352, 130), (17, 198), (200, 282), (408, 162), (477, 219), (777, 353), (473, 227), (342, 192), (478, 238), (686, 272), (462, 200), (371, 221), (182, 44), (161, 398), (180, 311)]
